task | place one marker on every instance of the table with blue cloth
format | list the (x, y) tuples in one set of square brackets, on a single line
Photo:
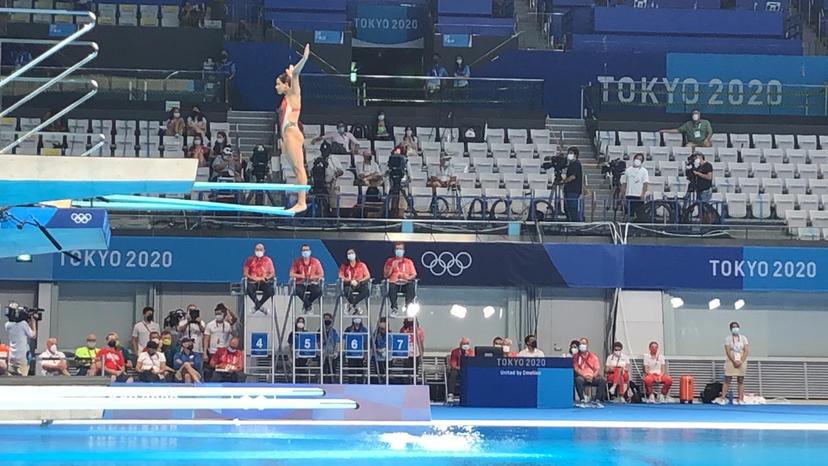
[(495, 382)]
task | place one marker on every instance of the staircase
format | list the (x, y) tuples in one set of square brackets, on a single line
[(572, 132), (531, 34), (248, 129)]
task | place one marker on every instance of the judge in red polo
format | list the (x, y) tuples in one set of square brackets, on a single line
[(260, 275), (356, 281), (455, 358), (307, 272), (400, 273)]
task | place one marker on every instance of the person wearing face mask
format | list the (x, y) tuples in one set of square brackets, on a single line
[(573, 186), (736, 355), (531, 350), (356, 361), (85, 356), (401, 274), (703, 178), (655, 371), (217, 333), (307, 273), (342, 141), (260, 275), (198, 151), (175, 124), (187, 363), (369, 174), (113, 360), (168, 345), (330, 348), (192, 327), (382, 129), (462, 72), (356, 281), (228, 363), (437, 72), (302, 374), (588, 373), (464, 350), (152, 364), (156, 337), (379, 345), (617, 371), (227, 76), (196, 123), (221, 142), (142, 330), (508, 348), (635, 183), (573, 349), (52, 361), (697, 132), (414, 350), (410, 143)]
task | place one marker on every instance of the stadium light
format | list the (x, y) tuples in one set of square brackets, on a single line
[(413, 309), (24, 258), (714, 304), (739, 304), (458, 311), (676, 302), (488, 311)]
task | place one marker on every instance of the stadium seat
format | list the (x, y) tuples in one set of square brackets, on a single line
[(493, 195), (507, 165), (519, 203), (539, 136), (483, 164), (784, 141), (448, 134), (632, 150), (795, 186), (348, 196), (422, 199), (530, 165), (383, 147), (489, 180), (709, 153), (760, 205), (650, 138), (784, 170), (548, 150), (672, 139), (656, 183), (751, 155), (495, 135), (658, 154), (773, 155), (796, 156), (725, 185), (430, 149), (399, 133), (761, 170), (517, 136), (467, 180), (807, 171), (738, 170), (783, 203), (807, 202), (501, 150), (513, 180), (676, 184), (426, 134), (772, 186), (823, 141), (477, 149), (739, 140), (613, 152), (628, 138), (524, 151), (748, 185), (736, 205), (468, 196), (538, 180), (806, 142), (418, 179), (796, 219), (819, 218), (818, 157), (670, 168), (719, 140), (680, 154), (726, 155), (818, 187)]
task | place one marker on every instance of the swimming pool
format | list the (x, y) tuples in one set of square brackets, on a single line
[(167, 444)]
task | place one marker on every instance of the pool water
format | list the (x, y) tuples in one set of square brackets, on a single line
[(401, 446)]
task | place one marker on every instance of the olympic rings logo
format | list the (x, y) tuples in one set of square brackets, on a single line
[(446, 263), (81, 218)]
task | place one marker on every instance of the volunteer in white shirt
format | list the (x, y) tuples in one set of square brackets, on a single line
[(736, 354), (152, 364), (218, 332), (531, 350), (617, 371), (655, 371), (52, 361), (635, 183), (142, 330), (19, 335)]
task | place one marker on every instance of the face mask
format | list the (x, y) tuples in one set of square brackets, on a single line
[(328, 322), (156, 340), (112, 343), (697, 163), (381, 117), (176, 115), (617, 353), (351, 257), (91, 344), (148, 317), (166, 341), (653, 350), (259, 253), (306, 254), (532, 344), (734, 330), (582, 348), (570, 157), (231, 349), (219, 317), (573, 350), (197, 142), (459, 61), (220, 140), (465, 347), (408, 132), (636, 163), (506, 349), (399, 252), (357, 321), (300, 325), (53, 348), (340, 130), (696, 117)]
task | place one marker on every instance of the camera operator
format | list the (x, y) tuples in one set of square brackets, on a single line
[(192, 327), (573, 186), (635, 184), (397, 174), (21, 328), (260, 164), (325, 170), (699, 173)]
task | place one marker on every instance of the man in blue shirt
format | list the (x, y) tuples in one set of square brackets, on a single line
[(330, 348), (227, 72), (187, 363), (356, 359), (436, 72)]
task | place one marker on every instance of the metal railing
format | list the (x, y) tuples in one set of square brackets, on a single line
[(72, 39)]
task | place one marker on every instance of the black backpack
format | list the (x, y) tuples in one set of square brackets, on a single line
[(634, 393), (711, 392), (360, 131)]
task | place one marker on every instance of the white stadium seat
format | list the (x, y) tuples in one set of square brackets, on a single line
[(818, 157), (762, 141), (477, 149), (524, 151), (739, 140), (773, 155), (669, 168), (659, 153), (539, 136), (736, 205), (818, 187), (784, 170), (796, 186), (672, 139), (806, 142), (650, 138), (796, 155), (727, 155), (517, 136), (806, 202), (748, 185), (772, 186), (738, 170), (751, 155), (783, 203), (784, 141), (761, 170), (806, 171), (628, 138), (760, 205), (719, 140)]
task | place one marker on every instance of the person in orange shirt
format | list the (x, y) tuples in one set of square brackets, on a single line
[(455, 358), (400, 273), (588, 372), (260, 275), (4, 359), (228, 363), (307, 272), (356, 281)]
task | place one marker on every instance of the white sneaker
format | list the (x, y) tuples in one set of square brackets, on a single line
[(586, 398), (651, 398), (662, 399), (450, 398), (720, 401), (613, 389)]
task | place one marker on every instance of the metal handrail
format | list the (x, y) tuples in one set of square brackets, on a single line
[(70, 40)]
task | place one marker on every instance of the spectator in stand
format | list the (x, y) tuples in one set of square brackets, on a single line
[(497, 342), (113, 360), (446, 177), (20, 333), (618, 371), (199, 151), (189, 15), (197, 123), (410, 143), (187, 363), (370, 175), (655, 371), (152, 365), (508, 348), (330, 347), (220, 143), (573, 186), (156, 337), (703, 178), (697, 132), (635, 182), (573, 349), (302, 374), (588, 373), (455, 358), (400, 273), (175, 124), (86, 356), (219, 331), (142, 330), (356, 359), (382, 129), (227, 76), (736, 353), (227, 166), (437, 73), (307, 273), (356, 281), (260, 275), (531, 350), (342, 141), (461, 86), (193, 327), (168, 346), (52, 361), (4, 358), (333, 171), (228, 363)]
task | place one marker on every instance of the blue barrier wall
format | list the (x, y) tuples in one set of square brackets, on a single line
[(464, 7), (663, 21), (306, 5)]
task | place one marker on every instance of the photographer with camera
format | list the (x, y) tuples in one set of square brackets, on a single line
[(700, 174), (573, 186), (635, 183), (260, 274), (397, 174), (21, 328), (325, 170), (191, 326)]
